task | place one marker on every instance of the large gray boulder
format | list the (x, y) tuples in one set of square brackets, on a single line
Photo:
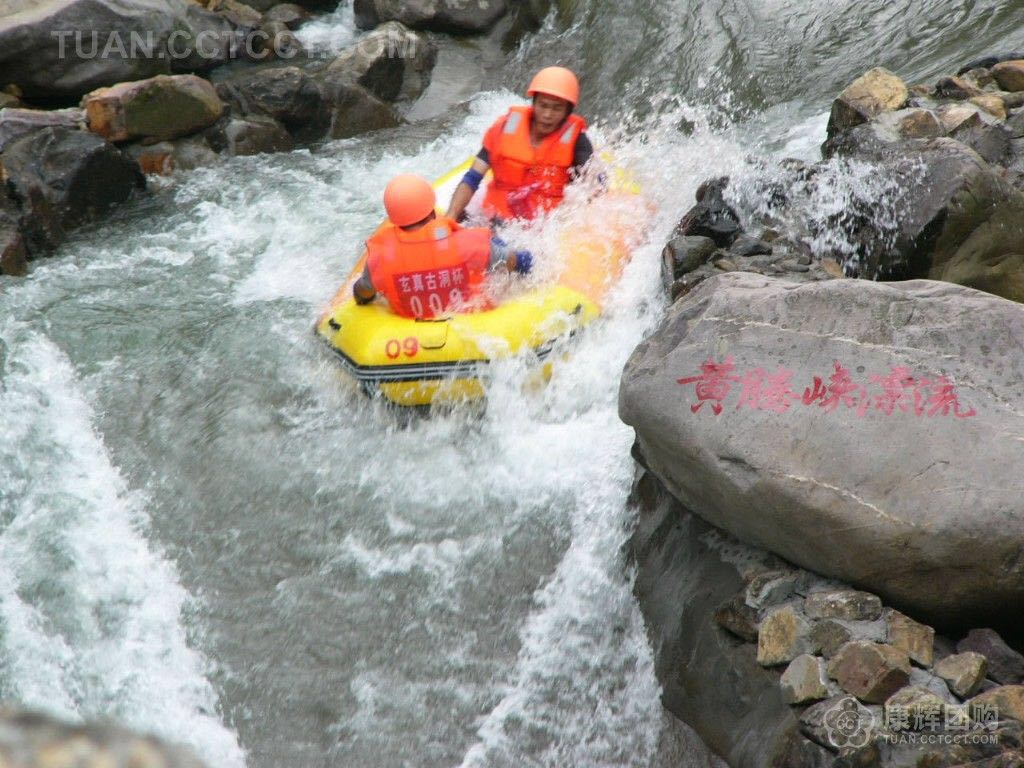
[(867, 431), (62, 178), (391, 62), (62, 49), (454, 16), (287, 94), (946, 214)]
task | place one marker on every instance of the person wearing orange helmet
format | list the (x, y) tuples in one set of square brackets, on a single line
[(533, 152), (427, 265)]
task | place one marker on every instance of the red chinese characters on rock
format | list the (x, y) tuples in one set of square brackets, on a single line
[(897, 391)]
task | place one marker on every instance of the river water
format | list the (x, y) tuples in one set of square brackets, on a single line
[(206, 533)]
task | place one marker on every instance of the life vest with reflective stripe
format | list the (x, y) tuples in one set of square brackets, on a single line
[(528, 179), (436, 269)]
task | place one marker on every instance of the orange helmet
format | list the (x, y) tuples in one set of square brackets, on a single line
[(558, 82), (408, 199)]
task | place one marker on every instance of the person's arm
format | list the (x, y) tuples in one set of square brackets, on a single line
[(582, 154), (363, 290), (504, 257), (467, 187)]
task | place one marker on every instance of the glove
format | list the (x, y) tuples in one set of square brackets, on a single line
[(524, 262)]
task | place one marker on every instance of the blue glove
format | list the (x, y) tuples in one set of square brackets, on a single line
[(524, 262)]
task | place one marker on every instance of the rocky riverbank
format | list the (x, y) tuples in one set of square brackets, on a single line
[(101, 93), (830, 535)]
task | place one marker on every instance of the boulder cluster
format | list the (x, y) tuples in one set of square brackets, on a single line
[(835, 459), (774, 665)]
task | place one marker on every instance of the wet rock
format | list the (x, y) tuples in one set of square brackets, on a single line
[(356, 111), (15, 123), (790, 265), (685, 571), (13, 256), (770, 588), (287, 94), (62, 178), (829, 636), (737, 464), (241, 15), (956, 88), (737, 617), (392, 62), (873, 93), (963, 672), (47, 65), (157, 109), (915, 639), (453, 16), (726, 265), (843, 604), (250, 136), (992, 104), (1005, 665), (684, 285), (915, 123), (712, 216), (783, 635), (916, 708), (841, 723), (9, 100), (745, 245), (165, 157), (956, 116), (37, 741), (922, 678), (1006, 701), (994, 143), (1010, 75), (804, 680), (683, 254), (870, 671), (291, 15)]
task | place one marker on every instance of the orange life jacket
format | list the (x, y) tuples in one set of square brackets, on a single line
[(431, 271), (528, 179)]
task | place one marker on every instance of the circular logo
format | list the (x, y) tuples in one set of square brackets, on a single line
[(849, 724)]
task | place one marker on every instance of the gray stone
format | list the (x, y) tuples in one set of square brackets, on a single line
[(684, 254), (870, 671), (391, 62), (877, 487), (44, 65), (13, 256), (62, 178), (15, 123), (804, 680), (289, 14), (745, 245), (873, 93), (355, 111), (1005, 665), (916, 706), (251, 136), (738, 618), (828, 636), (963, 672), (685, 571), (849, 604), (157, 109), (922, 678), (782, 636), (39, 741), (770, 588), (841, 723), (287, 94), (916, 639), (455, 16)]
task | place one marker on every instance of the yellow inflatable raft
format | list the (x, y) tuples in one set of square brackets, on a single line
[(420, 362)]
